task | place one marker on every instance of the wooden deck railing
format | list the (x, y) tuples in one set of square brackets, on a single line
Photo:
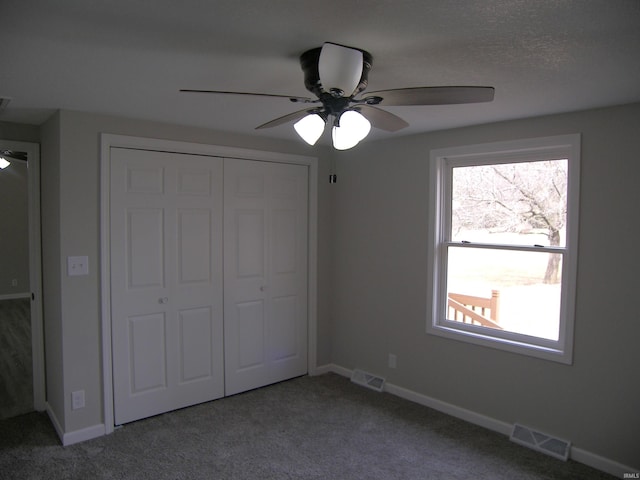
[(476, 310)]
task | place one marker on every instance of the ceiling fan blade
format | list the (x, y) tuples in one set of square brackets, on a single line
[(287, 118), (14, 155), (433, 95), (293, 98), (382, 119)]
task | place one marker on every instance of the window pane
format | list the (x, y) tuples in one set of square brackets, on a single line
[(525, 285), (521, 203)]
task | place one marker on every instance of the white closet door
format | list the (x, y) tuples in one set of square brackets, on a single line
[(166, 281), (265, 273)]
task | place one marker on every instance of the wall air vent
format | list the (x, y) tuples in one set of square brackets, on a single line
[(541, 442), (367, 380)]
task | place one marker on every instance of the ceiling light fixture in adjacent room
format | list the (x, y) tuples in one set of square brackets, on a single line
[(8, 156)]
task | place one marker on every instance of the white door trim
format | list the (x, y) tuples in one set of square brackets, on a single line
[(107, 141), (35, 266)]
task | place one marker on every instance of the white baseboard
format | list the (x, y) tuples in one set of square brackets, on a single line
[(322, 369), (333, 368), (450, 409), (601, 463), (54, 420), (578, 454), (69, 438), (83, 434)]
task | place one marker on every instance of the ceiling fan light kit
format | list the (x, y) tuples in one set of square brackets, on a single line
[(352, 128), (339, 68), (335, 73), (338, 75), (310, 128)]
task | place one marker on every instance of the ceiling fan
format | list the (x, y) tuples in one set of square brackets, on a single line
[(7, 156), (338, 76)]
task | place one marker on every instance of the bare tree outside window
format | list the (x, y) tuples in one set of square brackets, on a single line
[(525, 198)]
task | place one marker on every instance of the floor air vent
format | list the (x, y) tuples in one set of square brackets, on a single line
[(367, 380), (541, 442)]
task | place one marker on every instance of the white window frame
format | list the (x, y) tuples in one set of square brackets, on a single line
[(441, 163)]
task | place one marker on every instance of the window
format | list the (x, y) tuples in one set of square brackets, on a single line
[(503, 250)]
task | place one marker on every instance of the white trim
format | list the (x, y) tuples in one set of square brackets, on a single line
[(450, 409), (35, 267), (324, 369), (54, 421), (578, 454), (524, 149), (105, 283), (601, 463), (143, 143), (444, 407), (15, 296), (441, 163), (107, 141), (83, 435), (77, 436), (312, 269)]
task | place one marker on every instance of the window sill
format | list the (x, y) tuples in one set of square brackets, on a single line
[(521, 347)]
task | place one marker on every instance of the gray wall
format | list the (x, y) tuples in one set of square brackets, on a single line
[(372, 275), (380, 285), (70, 192), (19, 132)]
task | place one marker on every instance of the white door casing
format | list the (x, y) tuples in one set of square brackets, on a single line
[(111, 141), (166, 281), (265, 273)]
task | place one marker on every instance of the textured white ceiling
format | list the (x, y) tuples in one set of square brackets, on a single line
[(130, 57)]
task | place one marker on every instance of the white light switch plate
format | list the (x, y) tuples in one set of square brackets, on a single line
[(77, 266)]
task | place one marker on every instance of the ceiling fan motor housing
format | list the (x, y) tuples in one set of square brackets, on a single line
[(309, 63)]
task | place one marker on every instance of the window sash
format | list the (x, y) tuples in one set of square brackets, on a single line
[(505, 246), (453, 164), (482, 332), (508, 335)]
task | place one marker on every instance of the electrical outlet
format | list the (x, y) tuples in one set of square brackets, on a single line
[(77, 400), (14, 282), (393, 360)]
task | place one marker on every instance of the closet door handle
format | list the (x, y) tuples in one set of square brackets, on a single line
[(162, 300), (263, 288)]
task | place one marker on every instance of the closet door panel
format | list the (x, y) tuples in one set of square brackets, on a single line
[(166, 281), (265, 248)]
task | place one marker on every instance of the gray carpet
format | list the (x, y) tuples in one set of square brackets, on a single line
[(307, 428)]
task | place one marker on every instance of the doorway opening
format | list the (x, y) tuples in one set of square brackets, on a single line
[(21, 332)]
